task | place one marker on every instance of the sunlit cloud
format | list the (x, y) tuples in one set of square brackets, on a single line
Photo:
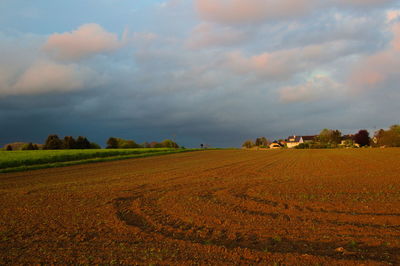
[(87, 40), (237, 11), (392, 15), (318, 87), (209, 34), (46, 76), (373, 71)]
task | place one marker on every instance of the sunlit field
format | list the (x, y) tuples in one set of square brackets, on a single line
[(275, 207)]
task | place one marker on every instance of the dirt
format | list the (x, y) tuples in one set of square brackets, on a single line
[(280, 207)]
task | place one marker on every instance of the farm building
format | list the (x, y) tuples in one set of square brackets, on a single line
[(293, 141), (276, 145)]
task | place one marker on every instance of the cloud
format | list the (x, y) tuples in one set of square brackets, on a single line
[(46, 76), (283, 64), (87, 40), (392, 15), (209, 34), (374, 71), (361, 3), (320, 86), (238, 11), (396, 36)]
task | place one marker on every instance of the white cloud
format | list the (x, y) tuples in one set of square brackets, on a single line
[(320, 86), (46, 76), (87, 40)]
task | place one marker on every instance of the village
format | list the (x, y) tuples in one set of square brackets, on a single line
[(329, 138), (300, 141)]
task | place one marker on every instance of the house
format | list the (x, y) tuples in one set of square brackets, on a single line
[(293, 141), (347, 140), (275, 145), (309, 139)]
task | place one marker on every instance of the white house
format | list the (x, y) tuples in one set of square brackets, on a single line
[(293, 141)]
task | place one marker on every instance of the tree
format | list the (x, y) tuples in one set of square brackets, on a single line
[(82, 143), (389, 138), (127, 144), (28, 146), (169, 144), (262, 142), (69, 142), (157, 145), (112, 143), (362, 138), (146, 145), (330, 137), (248, 144), (324, 135), (9, 148), (336, 137), (53, 143), (94, 145)]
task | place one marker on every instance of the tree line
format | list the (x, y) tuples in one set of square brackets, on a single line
[(54, 142), (118, 143)]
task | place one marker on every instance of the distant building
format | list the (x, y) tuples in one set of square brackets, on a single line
[(309, 139), (293, 141), (275, 145), (347, 140)]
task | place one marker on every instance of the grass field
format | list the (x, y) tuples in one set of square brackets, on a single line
[(280, 207), (15, 161)]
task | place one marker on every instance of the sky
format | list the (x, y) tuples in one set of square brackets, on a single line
[(215, 72)]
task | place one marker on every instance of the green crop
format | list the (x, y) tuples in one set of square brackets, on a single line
[(11, 161)]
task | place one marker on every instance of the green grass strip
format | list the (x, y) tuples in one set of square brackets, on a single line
[(92, 160)]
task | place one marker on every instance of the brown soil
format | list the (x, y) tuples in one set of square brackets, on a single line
[(289, 207)]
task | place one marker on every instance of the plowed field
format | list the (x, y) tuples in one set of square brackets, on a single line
[(329, 207)]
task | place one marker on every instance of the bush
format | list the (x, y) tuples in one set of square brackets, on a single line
[(28, 146), (94, 145), (169, 144), (118, 143), (112, 143), (303, 146), (248, 144)]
